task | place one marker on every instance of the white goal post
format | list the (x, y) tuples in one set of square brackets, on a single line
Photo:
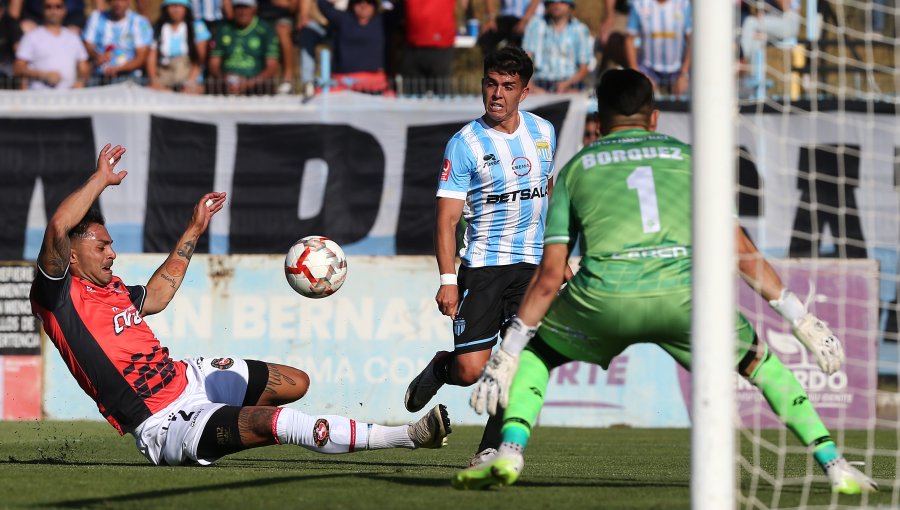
[(714, 107)]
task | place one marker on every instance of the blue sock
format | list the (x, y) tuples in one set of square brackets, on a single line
[(825, 453)]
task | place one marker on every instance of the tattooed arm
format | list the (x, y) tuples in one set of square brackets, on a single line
[(167, 279)]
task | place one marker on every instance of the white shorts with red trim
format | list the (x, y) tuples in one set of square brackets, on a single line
[(170, 437)]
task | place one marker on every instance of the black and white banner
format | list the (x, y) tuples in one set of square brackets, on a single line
[(359, 169)]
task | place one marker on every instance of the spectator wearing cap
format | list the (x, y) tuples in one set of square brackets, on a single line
[(359, 39), (50, 56), (664, 27), (244, 56), (178, 50), (10, 33), (118, 41), (30, 13), (561, 46)]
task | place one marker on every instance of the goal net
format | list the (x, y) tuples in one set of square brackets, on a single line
[(817, 181)]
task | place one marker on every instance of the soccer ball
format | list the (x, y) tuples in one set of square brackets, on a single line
[(315, 267)]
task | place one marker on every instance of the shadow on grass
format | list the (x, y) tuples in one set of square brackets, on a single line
[(343, 461), (593, 482), (155, 494), (52, 461)]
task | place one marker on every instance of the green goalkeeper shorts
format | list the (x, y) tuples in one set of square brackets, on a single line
[(585, 325)]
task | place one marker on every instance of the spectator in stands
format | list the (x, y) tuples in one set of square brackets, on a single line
[(309, 32), (359, 39), (244, 57), (664, 28), (118, 41), (212, 12), (50, 56), (280, 15), (611, 36), (775, 21), (506, 22), (179, 49), (615, 16), (561, 47), (30, 13), (427, 63), (10, 33)]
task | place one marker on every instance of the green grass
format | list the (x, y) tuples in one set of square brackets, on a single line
[(86, 465)]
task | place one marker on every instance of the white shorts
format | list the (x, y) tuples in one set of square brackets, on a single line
[(170, 437)]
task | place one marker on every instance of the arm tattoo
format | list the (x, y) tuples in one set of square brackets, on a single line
[(276, 379), (187, 250)]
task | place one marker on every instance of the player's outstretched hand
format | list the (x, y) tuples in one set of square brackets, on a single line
[(107, 161), (491, 391), (819, 340), (206, 208)]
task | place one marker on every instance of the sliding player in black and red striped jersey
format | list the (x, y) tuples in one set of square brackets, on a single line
[(190, 411)]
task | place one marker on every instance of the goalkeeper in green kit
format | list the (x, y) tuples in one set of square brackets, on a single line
[(629, 197)]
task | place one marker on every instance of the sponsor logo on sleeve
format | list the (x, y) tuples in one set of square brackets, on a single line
[(445, 170)]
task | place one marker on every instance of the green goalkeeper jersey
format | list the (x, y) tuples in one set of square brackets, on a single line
[(629, 196)]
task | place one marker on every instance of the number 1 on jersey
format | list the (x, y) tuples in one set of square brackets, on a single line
[(642, 181)]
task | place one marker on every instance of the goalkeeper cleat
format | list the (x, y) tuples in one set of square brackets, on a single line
[(846, 479), (432, 429), (502, 470), (483, 456), (425, 386)]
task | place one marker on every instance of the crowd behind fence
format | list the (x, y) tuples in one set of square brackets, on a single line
[(820, 49)]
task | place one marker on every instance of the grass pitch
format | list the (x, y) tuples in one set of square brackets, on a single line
[(86, 465)]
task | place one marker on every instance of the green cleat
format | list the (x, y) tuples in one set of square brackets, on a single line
[(502, 470), (846, 479)]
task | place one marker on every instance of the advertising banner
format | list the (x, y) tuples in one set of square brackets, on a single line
[(363, 345)]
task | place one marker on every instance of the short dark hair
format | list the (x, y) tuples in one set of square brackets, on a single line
[(93, 217), (623, 92), (510, 60)]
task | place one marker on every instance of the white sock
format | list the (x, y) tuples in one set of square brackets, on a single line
[(508, 448), (323, 434), (389, 437)]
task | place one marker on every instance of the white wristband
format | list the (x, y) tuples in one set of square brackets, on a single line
[(789, 306), (517, 337), (448, 279)]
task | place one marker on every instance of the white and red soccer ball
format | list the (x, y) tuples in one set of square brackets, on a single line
[(315, 267)]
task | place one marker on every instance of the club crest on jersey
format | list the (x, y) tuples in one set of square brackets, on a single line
[(320, 432), (543, 150), (222, 363), (521, 166), (445, 170), (459, 325)]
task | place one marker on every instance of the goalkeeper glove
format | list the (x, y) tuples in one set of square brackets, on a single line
[(491, 391), (811, 331)]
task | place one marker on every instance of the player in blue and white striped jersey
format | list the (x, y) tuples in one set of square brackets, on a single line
[(664, 28), (497, 175)]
